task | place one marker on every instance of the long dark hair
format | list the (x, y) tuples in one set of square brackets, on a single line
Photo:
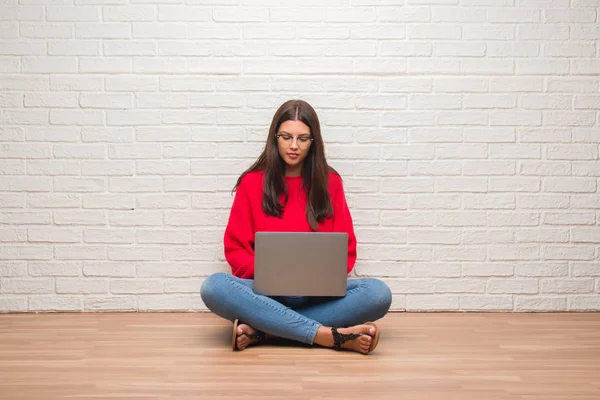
[(315, 170)]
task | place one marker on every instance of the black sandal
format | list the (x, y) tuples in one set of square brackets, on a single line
[(258, 336), (340, 338)]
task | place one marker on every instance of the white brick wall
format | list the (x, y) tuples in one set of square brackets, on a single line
[(467, 131)]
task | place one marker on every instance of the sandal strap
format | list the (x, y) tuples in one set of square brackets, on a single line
[(340, 338), (258, 336)]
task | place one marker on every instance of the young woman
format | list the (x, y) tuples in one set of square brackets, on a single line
[(292, 188)]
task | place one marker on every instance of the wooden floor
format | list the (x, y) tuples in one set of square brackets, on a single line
[(187, 356)]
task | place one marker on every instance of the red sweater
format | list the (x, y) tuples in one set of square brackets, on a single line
[(247, 218)]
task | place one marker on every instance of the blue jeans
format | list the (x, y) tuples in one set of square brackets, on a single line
[(295, 318)]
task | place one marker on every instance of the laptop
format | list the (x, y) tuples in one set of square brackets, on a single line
[(300, 263)]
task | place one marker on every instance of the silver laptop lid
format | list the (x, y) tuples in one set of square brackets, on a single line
[(300, 263)]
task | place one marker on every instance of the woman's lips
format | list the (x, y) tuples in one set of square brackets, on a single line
[(293, 156)]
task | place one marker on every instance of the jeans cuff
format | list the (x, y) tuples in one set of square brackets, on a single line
[(312, 333)]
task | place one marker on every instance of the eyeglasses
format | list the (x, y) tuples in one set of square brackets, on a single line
[(303, 141)]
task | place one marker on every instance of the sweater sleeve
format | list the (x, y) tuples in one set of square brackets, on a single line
[(239, 235), (342, 222)]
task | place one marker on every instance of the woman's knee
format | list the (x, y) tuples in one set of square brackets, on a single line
[(380, 294), (212, 288)]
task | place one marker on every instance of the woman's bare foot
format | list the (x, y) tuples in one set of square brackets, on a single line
[(361, 344), (245, 336)]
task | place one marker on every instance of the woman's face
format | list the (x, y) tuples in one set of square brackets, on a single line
[(293, 142)]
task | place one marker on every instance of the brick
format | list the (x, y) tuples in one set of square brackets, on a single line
[(516, 84), (44, 31), (163, 134), (221, 200), (190, 218), (183, 285), (572, 218), (54, 200), (77, 117), (137, 151), (430, 66), (478, 168), (572, 85), (437, 31), (13, 304), (202, 31), (488, 32), (107, 168), (573, 49), (54, 268), (238, 14), (513, 286), (13, 167), (136, 286), (514, 253), (542, 66), (487, 269), (102, 30), (129, 48), (55, 302), (543, 201), (12, 134), (26, 218), (130, 13), (22, 48), (135, 218), (459, 285), (79, 184), (501, 218), (108, 235), (162, 236), (171, 167), (487, 236), (486, 303), (79, 217), (570, 185), (135, 184), (432, 303), (54, 235), (584, 303), (545, 168), (27, 285), (81, 285), (131, 83), (109, 269), (588, 66), (584, 201), (12, 235), (435, 270), (536, 303), (53, 167), (113, 303), (189, 253), (567, 286), (461, 184), (584, 269), (460, 254), (166, 302), (544, 135), (163, 201), (13, 268), (437, 201), (9, 30), (541, 269), (137, 253), (567, 252)]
